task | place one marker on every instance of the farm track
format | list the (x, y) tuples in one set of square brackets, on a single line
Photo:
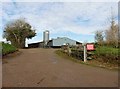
[(43, 68)]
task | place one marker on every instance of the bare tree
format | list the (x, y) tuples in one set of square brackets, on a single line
[(99, 37), (111, 35)]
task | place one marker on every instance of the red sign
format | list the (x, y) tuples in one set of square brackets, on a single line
[(90, 47)]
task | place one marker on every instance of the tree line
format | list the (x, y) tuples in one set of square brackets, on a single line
[(109, 37)]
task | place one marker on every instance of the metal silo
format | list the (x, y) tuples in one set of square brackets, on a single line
[(45, 37)]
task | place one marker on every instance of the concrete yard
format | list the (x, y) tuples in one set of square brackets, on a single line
[(39, 67)]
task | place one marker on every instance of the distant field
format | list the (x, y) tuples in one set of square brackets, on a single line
[(7, 48)]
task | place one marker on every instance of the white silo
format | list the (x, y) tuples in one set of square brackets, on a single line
[(45, 37)]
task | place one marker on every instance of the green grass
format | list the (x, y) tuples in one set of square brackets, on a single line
[(7, 48), (94, 63), (101, 50), (107, 54)]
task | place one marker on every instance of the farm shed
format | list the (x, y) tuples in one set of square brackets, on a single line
[(58, 42), (55, 43)]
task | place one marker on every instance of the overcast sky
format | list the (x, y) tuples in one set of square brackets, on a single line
[(75, 20)]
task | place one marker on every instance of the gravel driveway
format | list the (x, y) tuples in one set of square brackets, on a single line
[(39, 67)]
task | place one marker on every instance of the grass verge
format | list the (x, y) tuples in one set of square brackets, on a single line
[(92, 62), (7, 49), (106, 54)]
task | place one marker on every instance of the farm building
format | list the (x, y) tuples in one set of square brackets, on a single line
[(58, 42), (55, 43), (36, 45)]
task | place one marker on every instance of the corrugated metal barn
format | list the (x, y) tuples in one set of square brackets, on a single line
[(58, 42), (55, 43)]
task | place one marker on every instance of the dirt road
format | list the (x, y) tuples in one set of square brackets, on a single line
[(43, 68)]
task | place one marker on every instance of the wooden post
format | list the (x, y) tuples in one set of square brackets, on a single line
[(85, 53)]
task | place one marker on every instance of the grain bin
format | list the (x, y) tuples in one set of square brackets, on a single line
[(45, 37)]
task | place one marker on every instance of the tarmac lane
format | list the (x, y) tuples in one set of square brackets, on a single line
[(39, 67)]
